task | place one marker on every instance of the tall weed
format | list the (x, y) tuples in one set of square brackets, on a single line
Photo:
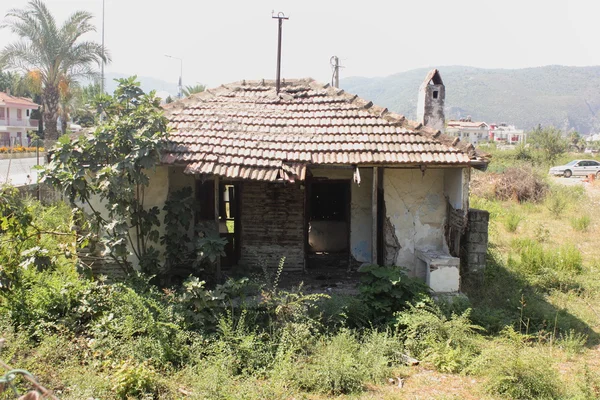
[(512, 221), (582, 223), (517, 371), (447, 343)]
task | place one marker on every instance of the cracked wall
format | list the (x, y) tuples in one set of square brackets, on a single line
[(416, 208)]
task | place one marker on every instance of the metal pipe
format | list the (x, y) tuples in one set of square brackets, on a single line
[(280, 16)]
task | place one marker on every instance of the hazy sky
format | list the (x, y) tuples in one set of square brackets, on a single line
[(224, 41)]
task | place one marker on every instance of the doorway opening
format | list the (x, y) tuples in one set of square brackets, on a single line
[(227, 218), (328, 224)]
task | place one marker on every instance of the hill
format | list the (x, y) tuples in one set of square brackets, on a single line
[(566, 97), (147, 83)]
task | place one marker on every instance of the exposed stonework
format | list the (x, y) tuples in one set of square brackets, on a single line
[(474, 245), (391, 244), (272, 223)]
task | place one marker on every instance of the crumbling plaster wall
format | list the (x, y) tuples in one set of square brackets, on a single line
[(154, 195), (415, 209), (360, 208)]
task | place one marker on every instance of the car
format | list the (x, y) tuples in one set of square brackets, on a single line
[(577, 168)]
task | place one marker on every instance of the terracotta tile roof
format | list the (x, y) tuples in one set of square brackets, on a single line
[(246, 130), (19, 101)]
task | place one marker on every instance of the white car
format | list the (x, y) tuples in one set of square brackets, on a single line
[(577, 168)]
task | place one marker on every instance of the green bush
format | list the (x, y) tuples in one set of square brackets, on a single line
[(341, 364), (134, 380), (517, 371), (447, 343), (512, 221), (387, 289), (556, 204), (572, 342), (581, 224)]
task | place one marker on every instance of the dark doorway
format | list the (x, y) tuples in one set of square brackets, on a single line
[(328, 220)]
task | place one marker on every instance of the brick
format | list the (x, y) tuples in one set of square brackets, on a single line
[(272, 220)]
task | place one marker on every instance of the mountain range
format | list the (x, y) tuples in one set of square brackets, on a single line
[(565, 97)]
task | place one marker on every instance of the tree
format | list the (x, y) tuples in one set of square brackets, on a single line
[(57, 53), (575, 141), (112, 164), (549, 142), (190, 90)]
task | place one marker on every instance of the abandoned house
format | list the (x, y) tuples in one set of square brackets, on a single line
[(322, 177)]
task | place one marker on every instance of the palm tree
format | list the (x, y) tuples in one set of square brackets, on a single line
[(56, 53), (190, 90)]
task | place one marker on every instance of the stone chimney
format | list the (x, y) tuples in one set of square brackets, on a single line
[(430, 106)]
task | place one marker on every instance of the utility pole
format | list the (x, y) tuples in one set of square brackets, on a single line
[(335, 66), (180, 95), (103, 54), (280, 17)]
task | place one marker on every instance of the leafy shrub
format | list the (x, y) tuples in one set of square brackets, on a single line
[(343, 311), (512, 221), (517, 371), (137, 380), (556, 204), (581, 224), (572, 342), (241, 349), (340, 364), (388, 289), (448, 343)]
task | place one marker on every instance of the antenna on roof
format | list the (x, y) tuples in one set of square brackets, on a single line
[(280, 16)]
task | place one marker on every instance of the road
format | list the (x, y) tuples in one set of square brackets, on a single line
[(19, 172)]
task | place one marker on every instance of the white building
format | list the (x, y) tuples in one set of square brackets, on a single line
[(15, 120), (507, 134), (468, 131)]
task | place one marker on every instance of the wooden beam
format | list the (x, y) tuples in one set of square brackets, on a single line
[(217, 209), (374, 202)]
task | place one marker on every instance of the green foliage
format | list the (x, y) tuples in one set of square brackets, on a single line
[(447, 343), (549, 141), (210, 247), (341, 364), (516, 371), (134, 380), (179, 247), (581, 223), (556, 204), (387, 289), (512, 221), (190, 90), (113, 164), (202, 307), (534, 259), (572, 342)]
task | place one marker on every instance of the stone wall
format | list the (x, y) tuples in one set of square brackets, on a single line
[(272, 224), (474, 245)]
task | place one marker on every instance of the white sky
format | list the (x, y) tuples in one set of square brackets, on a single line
[(229, 40)]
